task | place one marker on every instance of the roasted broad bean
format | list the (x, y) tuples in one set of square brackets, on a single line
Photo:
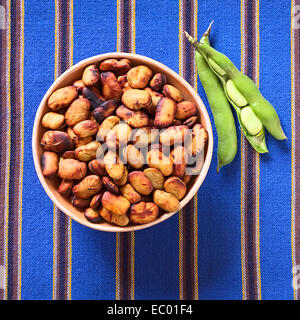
[(87, 187), (118, 67), (91, 75), (138, 77), (136, 99), (71, 169), (143, 212), (165, 112), (130, 194), (158, 81), (111, 88), (166, 201), (140, 182), (85, 128), (78, 111), (175, 186), (185, 109), (172, 92), (49, 163), (62, 98), (53, 120), (92, 214), (56, 141), (117, 204), (87, 152)]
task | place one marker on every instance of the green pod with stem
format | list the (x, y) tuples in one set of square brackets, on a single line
[(223, 117), (257, 141), (226, 70)]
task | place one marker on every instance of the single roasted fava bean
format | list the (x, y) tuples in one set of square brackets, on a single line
[(185, 109), (79, 85), (174, 135), (49, 163), (130, 194), (56, 141), (123, 179), (156, 177), (134, 156), (53, 120), (180, 158), (80, 203), (97, 167), (166, 201), (62, 98), (175, 186), (158, 81), (106, 126), (140, 182), (156, 159), (96, 200), (115, 203), (136, 119), (111, 89), (87, 152), (87, 187), (65, 187), (71, 169), (91, 75), (105, 110), (69, 154), (113, 167), (109, 185), (138, 77), (143, 212), (172, 92), (122, 132), (199, 139), (118, 67), (136, 99), (94, 96), (78, 111), (165, 112), (145, 136), (78, 141), (120, 220), (85, 128), (92, 214)]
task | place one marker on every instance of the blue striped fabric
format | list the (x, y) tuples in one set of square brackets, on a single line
[(93, 271)]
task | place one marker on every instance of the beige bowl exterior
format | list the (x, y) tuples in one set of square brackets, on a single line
[(75, 73)]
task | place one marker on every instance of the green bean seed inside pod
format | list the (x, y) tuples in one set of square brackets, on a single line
[(250, 121), (216, 67), (235, 95)]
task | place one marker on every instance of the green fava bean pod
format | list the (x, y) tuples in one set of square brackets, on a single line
[(223, 117), (246, 87), (258, 141)]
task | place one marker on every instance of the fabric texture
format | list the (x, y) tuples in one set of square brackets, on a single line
[(239, 238)]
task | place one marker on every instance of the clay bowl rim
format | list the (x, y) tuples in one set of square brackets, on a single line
[(141, 60)]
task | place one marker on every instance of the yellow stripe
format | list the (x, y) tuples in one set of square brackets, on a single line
[(180, 224), (132, 234), (117, 266), (196, 293), (69, 285), (8, 146), (180, 214), (22, 153), (293, 147), (257, 161), (54, 276), (242, 167), (118, 25)]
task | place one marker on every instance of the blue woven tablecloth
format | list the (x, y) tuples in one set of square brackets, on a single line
[(238, 239)]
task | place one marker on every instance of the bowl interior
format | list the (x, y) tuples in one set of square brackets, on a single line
[(67, 78)]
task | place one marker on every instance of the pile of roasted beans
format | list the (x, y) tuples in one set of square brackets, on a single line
[(98, 128)]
